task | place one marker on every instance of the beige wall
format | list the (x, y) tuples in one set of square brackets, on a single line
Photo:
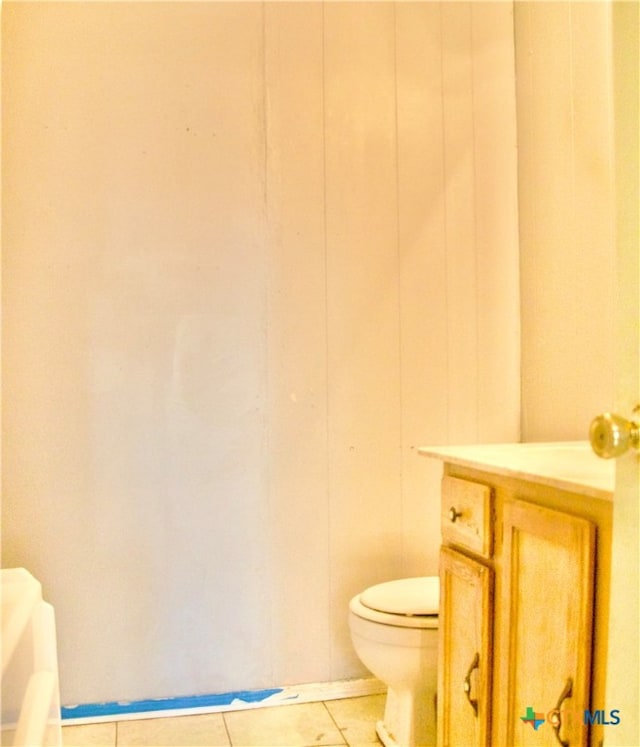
[(254, 255), (565, 168)]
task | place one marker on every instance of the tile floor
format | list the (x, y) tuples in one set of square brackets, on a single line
[(331, 723)]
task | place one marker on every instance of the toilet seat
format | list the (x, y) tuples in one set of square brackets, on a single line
[(406, 603), (406, 596)]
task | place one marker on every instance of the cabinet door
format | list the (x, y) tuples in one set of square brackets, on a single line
[(464, 670), (546, 625)]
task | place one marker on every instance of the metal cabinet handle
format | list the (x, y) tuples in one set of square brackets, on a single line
[(453, 515), (556, 717), (473, 702)]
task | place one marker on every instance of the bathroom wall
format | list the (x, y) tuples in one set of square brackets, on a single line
[(565, 166), (254, 255)]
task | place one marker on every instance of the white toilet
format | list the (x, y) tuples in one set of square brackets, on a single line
[(394, 629)]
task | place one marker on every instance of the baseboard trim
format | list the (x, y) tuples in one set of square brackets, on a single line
[(90, 713)]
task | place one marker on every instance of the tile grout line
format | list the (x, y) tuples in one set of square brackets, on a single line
[(328, 710), (226, 728)]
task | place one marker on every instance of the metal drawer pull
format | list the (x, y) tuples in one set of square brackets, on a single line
[(555, 718), (473, 702), (453, 515)]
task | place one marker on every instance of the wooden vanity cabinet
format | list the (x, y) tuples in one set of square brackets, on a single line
[(547, 612), (524, 572), (464, 672)]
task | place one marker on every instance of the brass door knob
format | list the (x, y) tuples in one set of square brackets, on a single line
[(611, 435)]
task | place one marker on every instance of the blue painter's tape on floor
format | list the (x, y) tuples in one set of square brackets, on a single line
[(116, 708)]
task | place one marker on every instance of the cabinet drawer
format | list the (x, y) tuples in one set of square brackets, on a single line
[(465, 515)]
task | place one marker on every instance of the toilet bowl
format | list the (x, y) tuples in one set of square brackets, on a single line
[(394, 630)]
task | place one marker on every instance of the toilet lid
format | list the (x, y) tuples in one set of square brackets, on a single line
[(406, 596)]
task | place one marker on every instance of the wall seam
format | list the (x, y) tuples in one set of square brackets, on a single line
[(267, 304), (399, 292), (521, 413), (574, 217), (326, 338), (445, 224), (476, 244)]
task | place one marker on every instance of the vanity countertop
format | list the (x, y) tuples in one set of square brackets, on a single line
[(566, 465)]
